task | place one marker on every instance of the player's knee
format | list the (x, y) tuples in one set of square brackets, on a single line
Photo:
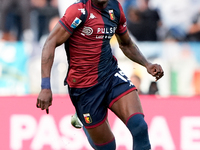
[(136, 124), (139, 130), (111, 145), (88, 137)]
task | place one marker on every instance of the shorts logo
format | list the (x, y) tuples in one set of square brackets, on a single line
[(87, 31), (75, 23), (88, 118), (112, 16)]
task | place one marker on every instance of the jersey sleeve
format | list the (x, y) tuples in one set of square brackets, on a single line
[(73, 17), (121, 28)]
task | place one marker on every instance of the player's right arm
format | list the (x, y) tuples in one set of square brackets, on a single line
[(68, 23), (57, 37), (60, 34)]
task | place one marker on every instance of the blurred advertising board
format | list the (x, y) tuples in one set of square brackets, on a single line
[(174, 124)]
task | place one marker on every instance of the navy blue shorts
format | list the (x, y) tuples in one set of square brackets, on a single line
[(92, 103)]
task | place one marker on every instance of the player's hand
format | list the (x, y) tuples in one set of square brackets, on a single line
[(44, 99), (155, 70)]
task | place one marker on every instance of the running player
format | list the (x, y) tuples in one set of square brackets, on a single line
[(95, 81)]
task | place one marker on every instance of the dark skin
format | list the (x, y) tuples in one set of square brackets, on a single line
[(125, 106), (100, 3)]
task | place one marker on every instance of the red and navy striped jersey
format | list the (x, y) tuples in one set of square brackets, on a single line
[(88, 49)]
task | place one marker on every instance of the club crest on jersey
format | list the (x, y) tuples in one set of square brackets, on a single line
[(75, 23), (88, 118), (112, 15)]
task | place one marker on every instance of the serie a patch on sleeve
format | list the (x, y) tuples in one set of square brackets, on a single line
[(76, 23)]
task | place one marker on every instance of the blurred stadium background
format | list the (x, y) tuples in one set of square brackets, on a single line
[(171, 110)]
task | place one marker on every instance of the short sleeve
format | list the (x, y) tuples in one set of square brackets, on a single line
[(73, 17), (121, 28)]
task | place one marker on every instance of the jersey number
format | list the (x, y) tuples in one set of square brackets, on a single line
[(121, 75)]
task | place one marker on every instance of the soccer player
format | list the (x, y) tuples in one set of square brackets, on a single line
[(95, 82)]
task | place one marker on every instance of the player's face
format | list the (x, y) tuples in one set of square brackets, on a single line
[(100, 3)]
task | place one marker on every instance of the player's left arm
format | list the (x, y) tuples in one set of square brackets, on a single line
[(131, 50)]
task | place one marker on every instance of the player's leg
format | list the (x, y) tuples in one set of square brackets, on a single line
[(77, 124), (128, 108), (89, 138), (102, 137), (93, 115), (75, 121)]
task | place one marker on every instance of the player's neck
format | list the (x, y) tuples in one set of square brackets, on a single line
[(100, 3)]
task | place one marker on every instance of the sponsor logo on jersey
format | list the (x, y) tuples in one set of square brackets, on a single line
[(87, 31), (106, 30), (92, 16), (88, 118), (112, 15), (103, 37), (75, 23), (82, 10)]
